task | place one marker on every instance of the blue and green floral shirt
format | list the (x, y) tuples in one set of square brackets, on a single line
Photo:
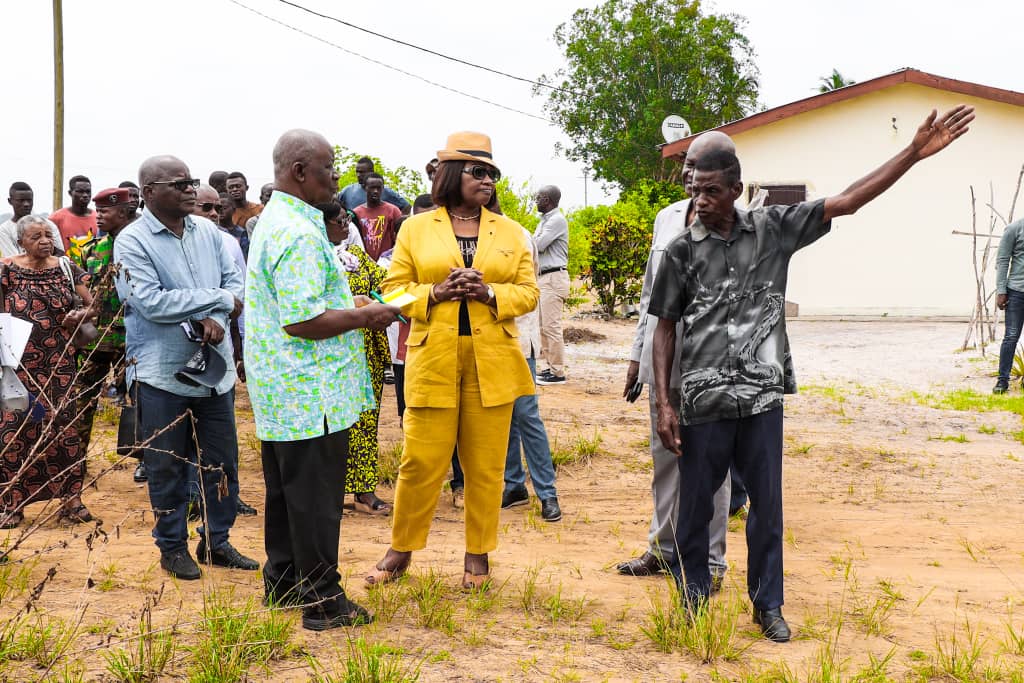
[(299, 388)]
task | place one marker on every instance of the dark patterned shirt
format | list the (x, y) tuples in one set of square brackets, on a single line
[(94, 257), (730, 295)]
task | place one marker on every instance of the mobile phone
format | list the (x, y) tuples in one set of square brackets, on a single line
[(634, 392)]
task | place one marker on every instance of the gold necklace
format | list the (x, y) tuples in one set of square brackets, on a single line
[(465, 218)]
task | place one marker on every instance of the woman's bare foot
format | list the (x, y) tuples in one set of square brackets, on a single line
[(389, 569)]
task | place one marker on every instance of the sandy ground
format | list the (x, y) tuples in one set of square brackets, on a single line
[(882, 493)]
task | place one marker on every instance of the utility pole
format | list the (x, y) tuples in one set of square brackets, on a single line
[(58, 103), (586, 176)]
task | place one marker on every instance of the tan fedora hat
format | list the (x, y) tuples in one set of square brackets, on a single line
[(467, 146)]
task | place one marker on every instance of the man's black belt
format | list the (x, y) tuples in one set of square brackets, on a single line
[(553, 270)]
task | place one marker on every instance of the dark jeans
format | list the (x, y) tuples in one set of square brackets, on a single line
[(1014, 321), (753, 445), (167, 463), (302, 523), (458, 478)]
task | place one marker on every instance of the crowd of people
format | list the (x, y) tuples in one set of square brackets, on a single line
[(171, 291)]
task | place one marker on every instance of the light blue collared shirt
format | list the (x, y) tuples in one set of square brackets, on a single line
[(166, 280)]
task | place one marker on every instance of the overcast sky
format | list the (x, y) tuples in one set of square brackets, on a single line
[(216, 84)]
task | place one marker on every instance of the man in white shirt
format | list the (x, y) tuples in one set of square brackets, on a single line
[(21, 198)]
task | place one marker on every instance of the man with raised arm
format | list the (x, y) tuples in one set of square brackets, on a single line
[(671, 222), (725, 280)]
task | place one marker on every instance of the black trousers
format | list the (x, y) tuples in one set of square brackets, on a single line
[(752, 445), (305, 483)]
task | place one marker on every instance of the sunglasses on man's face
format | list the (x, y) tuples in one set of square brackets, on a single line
[(478, 172), (180, 185), (206, 207)]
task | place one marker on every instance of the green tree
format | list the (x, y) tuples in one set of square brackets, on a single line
[(629, 64), (403, 180), (516, 202), (834, 81)]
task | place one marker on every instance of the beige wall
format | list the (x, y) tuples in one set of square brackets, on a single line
[(896, 255)]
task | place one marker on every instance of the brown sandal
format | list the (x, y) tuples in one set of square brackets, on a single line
[(381, 575), (475, 582)]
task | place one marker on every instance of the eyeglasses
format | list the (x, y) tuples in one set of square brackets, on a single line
[(478, 172), (180, 185), (342, 219), (207, 206)]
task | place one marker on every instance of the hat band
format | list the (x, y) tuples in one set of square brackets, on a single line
[(475, 153)]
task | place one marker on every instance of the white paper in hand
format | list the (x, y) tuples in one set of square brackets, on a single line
[(14, 334)]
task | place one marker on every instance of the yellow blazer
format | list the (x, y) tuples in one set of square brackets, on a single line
[(424, 252)]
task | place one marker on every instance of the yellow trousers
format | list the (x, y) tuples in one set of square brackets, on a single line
[(430, 436)]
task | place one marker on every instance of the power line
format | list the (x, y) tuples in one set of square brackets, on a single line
[(377, 34), (389, 66)]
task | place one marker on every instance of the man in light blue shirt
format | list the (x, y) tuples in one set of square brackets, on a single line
[(354, 195), (1010, 297), (174, 269)]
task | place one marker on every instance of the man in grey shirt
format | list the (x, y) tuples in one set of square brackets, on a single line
[(1010, 297), (552, 241)]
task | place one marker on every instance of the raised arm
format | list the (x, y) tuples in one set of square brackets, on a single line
[(934, 135)]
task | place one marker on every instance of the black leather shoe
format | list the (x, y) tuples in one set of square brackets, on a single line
[(244, 509), (180, 565), (647, 564), (140, 475), (1001, 387), (334, 613), (225, 556), (773, 626), (550, 510), (513, 497)]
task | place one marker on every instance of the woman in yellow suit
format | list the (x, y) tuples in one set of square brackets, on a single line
[(472, 273)]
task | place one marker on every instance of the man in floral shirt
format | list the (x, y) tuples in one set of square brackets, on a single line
[(308, 381)]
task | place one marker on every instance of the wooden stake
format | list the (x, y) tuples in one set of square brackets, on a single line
[(58, 104)]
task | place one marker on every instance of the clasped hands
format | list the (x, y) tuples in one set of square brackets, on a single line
[(461, 284)]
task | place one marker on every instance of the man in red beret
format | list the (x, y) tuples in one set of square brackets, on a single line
[(115, 208)]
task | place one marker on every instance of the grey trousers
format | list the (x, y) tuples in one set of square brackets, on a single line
[(665, 490)]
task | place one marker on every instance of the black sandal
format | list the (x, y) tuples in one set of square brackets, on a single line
[(375, 507), (78, 514)]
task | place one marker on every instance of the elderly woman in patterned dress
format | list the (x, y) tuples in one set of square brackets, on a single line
[(41, 456), (364, 276)]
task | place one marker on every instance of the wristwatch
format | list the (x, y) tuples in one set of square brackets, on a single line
[(490, 294)]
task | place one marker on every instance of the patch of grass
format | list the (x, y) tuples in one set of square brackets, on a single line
[(388, 461), (708, 632), (148, 654), (803, 448), (987, 429), (233, 637), (580, 451), (108, 582), (1013, 643), (971, 400), (956, 657), (529, 597), (45, 640), (569, 610), (369, 663), (968, 548), (434, 606), (957, 438)]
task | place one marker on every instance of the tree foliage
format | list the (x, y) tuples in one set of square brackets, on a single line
[(609, 245), (631, 63), (834, 81), (401, 179)]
